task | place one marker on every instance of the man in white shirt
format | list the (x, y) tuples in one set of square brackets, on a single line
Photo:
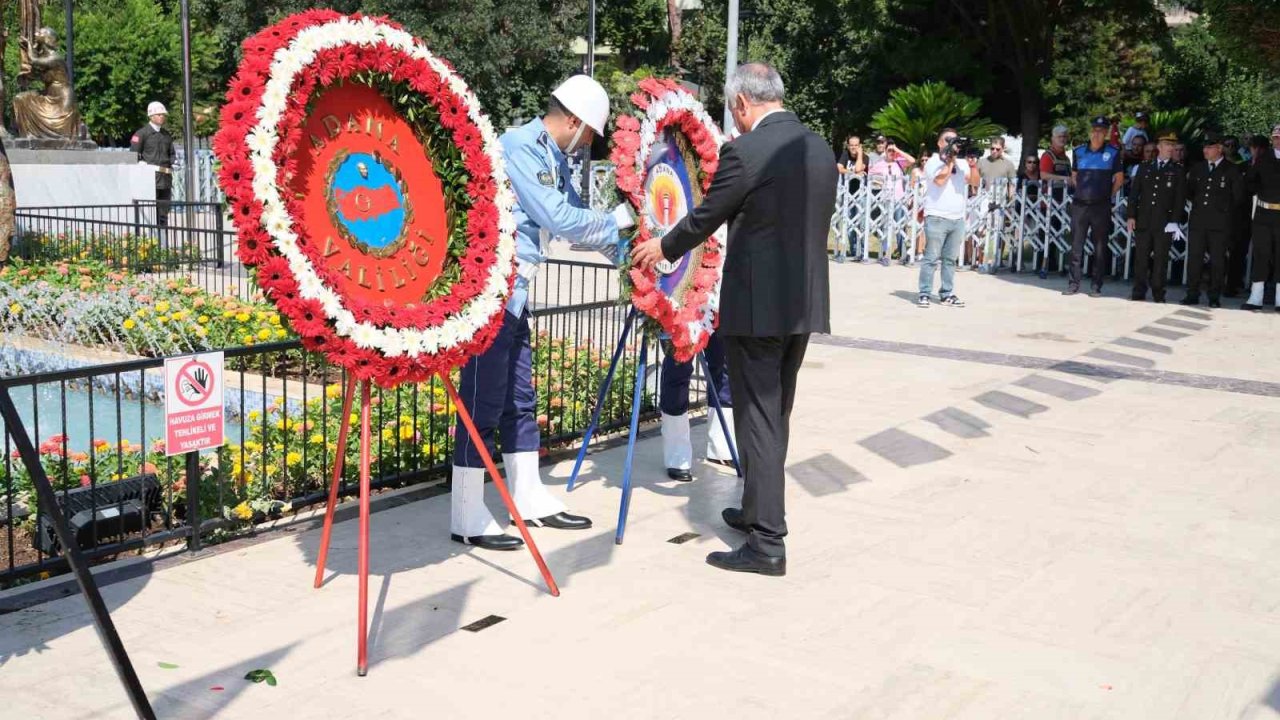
[(949, 177)]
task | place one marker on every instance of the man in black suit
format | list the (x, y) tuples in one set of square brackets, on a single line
[(1215, 188), (1157, 206), (776, 187)]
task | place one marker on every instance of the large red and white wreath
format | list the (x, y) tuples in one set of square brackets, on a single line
[(661, 104), (262, 141)]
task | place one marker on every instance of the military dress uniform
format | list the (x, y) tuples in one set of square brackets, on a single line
[(1240, 234), (673, 400), (154, 146), (1264, 181), (497, 385), (1215, 190), (1158, 199)]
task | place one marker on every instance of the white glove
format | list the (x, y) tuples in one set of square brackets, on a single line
[(624, 216), (1174, 229)]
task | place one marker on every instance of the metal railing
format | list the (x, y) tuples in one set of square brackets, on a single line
[(170, 240), (99, 425), (1022, 225)]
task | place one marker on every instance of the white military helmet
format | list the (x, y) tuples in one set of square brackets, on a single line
[(156, 108), (585, 98)]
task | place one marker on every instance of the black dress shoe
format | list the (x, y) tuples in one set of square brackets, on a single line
[(1138, 298), (1071, 291), (745, 559), (490, 542), (1096, 292), (1213, 303), (1191, 300), (724, 463), (1250, 306), (679, 474), (561, 521), (1158, 300), (733, 518)]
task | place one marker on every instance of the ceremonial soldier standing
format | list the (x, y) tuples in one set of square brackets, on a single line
[(1215, 189), (154, 146), (673, 400), (1264, 181), (497, 385), (1157, 206)]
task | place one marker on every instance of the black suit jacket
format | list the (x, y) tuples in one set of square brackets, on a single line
[(1158, 197), (776, 187), (1215, 196)]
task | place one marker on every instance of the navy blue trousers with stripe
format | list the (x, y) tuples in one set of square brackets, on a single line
[(497, 389)]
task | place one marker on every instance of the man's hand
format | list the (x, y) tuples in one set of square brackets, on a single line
[(648, 253), (1131, 223)]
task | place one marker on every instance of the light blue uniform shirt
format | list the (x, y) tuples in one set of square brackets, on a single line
[(547, 206)]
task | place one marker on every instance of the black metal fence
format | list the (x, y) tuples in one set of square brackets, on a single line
[(99, 432), (194, 241)]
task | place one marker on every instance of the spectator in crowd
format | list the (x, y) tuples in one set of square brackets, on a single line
[(1149, 153), (1140, 126), (1231, 150), (878, 150), (1180, 154), (853, 164), (948, 178), (888, 176), (154, 146), (1055, 164), (1134, 150), (1097, 174), (1114, 136), (995, 166), (1157, 207), (1264, 181), (1215, 188)]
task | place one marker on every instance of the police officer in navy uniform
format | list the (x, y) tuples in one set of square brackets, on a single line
[(1215, 188), (1157, 206), (1264, 181), (154, 146), (673, 400), (497, 386), (1097, 173)]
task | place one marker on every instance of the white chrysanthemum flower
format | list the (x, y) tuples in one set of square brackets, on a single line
[(261, 141), (310, 286), (365, 336), (392, 343)]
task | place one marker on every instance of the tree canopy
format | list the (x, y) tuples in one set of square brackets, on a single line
[(1029, 63)]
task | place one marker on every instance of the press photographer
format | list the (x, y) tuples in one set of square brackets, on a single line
[(950, 178)]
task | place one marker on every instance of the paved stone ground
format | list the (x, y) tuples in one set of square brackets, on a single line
[(1033, 507)]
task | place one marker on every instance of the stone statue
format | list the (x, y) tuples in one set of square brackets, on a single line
[(53, 112)]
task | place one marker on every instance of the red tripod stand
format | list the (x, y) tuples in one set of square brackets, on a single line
[(362, 662)]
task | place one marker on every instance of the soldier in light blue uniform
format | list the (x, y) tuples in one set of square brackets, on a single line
[(497, 386)]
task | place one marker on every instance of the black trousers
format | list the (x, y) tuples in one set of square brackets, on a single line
[(164, 195), (1211, 241), (1238, 248), (1150, 261), (762, 378), (1085, 218), (1266, 243)]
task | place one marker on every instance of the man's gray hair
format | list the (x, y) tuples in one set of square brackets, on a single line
[(759, 82)]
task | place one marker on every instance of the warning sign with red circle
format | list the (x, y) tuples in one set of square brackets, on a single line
[(193, 396)]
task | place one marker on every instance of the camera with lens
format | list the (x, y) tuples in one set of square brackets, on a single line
[(958, 147)]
